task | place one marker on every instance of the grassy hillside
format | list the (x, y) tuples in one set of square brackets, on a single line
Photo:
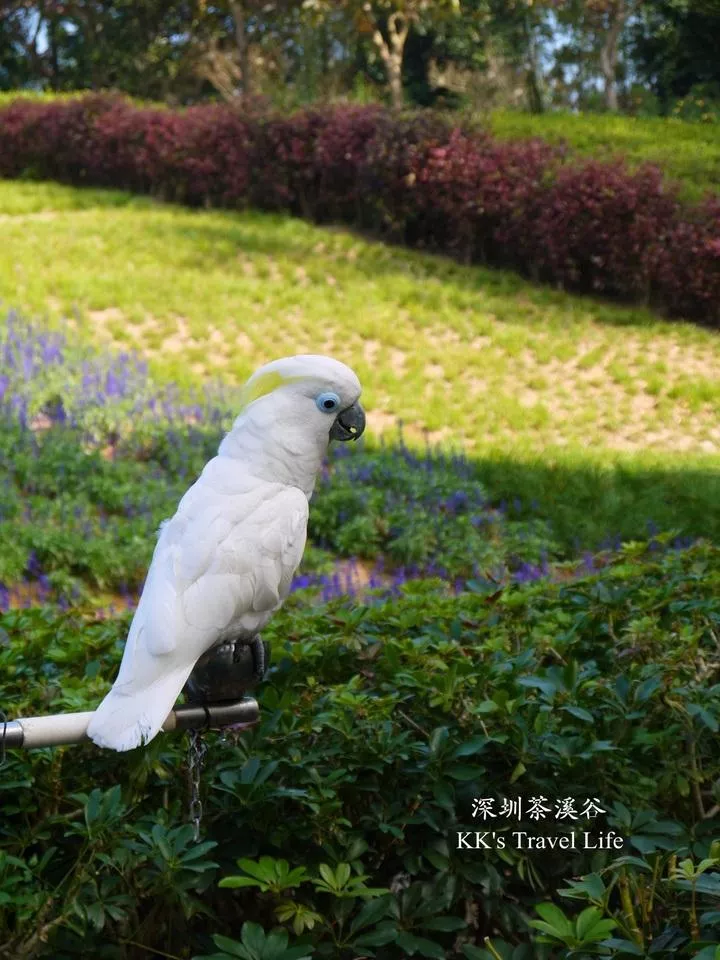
[(687, 152), (473, 356), (604, 418)]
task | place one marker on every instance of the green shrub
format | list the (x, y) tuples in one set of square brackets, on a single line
[(380, 725)]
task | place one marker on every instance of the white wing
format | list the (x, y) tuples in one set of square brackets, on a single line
[(221, 567)]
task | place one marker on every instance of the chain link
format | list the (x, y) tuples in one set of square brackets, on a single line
[(4, 722), (197, 748)]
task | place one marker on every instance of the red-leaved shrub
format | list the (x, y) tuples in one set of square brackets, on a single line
[(686, 267), (599, 225), (482, 195), (415, 179)]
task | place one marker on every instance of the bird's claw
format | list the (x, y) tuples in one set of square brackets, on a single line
[(260, 653)]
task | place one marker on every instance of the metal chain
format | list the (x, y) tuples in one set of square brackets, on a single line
[(197, 748), (4, 722)]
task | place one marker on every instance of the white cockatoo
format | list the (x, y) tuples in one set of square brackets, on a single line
[(224, 563)]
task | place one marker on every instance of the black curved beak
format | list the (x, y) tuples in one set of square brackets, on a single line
[(349, 423)]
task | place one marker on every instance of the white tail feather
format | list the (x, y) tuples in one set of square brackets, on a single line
[(127, 720)]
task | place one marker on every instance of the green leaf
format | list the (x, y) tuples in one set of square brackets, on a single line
[(647, 688), (630, 861), (554, 916), (264, 869), (587, 920), (708, 953), (707, 718), (426, 948), (625, 946), (487, 706), (548, 687), (232, 883), (549, 929), (328, 875), (437, 738), (384, 933), (232, 947), (580, 713), (471, 747), (439, 860), (591, 886), (463, 772), (472, 952), (371, 912), (253, 937)]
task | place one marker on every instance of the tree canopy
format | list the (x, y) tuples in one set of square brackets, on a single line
[(535, 53)]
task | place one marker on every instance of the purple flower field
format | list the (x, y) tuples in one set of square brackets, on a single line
[(95, 454)]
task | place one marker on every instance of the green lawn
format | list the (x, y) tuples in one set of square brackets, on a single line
[(687, 152), (473, 356)]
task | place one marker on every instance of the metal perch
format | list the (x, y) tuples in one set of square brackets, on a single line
[(65, 728), (214, 691)]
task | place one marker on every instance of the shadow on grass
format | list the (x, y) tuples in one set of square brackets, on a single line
[(593, 506), (589, 503)]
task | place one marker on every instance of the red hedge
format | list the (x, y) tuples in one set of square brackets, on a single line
[(593, 227)]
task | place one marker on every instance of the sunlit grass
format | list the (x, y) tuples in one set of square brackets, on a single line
[(687, 152), (472, 356)]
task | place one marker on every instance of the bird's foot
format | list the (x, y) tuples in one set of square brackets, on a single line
[(228, 671)]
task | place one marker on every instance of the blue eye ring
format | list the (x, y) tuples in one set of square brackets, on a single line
[(327, 402)]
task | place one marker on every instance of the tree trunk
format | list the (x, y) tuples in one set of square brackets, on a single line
[(534, 90), (392, 54), (30, 45), (241, 42), (618, 15), (219, 68), (53, 51)]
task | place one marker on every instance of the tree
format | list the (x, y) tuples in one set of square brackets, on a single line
[(231, 36), (613, 14), (387, 24), (602, 24), (675, 46), (140, 48)]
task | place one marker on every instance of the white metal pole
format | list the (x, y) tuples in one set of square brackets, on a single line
[(64, 728)]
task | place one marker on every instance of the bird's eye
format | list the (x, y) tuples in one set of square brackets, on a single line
[(327, 402)]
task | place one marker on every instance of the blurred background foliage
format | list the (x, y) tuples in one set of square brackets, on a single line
[(642, 57)]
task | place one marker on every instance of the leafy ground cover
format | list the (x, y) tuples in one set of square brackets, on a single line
[(687, 152), (484, 658), (382, 725)]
